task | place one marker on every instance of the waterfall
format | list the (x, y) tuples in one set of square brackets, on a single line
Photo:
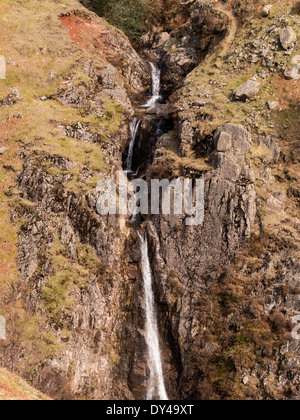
[(156, 386), (133, 219), (133, 131), (156, 74)]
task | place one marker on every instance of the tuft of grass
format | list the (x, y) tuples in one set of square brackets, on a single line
[(68, 278)]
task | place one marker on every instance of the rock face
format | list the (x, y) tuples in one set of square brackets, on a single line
[(288, 38), (71, 262), (192, 252), (247, 90), (178, 63), (183, 49)]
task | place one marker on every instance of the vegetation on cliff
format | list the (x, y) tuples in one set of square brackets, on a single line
[(136, 17), (57, 115), (128, 15)]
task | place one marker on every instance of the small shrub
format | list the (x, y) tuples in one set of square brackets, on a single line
[(279, 323)]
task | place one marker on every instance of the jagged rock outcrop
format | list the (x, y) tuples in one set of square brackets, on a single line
[(94, 97), (111, 44), (232, 175), (12, 98), (88, 311), (181, 50), (191, 253)]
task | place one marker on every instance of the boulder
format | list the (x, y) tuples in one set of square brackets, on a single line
[(89, 68), (161, 40), (277, 201), (171, 43), (247, 90), (12, 98), (288, 37), (246, 380), (293, 73), (147, 39), (16, 94), (266, 10), (272, 105), (296, 60)]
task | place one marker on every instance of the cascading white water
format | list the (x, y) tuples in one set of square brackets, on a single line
[(133, 219), (156, 75), (133, 131), (156, 387)]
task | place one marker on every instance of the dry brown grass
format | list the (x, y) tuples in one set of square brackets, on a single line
[(12, 387)]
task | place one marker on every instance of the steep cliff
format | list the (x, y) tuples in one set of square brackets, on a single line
[(70, 280), (64, 127), (229, 290)]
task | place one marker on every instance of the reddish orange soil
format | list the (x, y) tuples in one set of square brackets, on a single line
[(78, 27), (8, 127), (88, 34), (288, 91)]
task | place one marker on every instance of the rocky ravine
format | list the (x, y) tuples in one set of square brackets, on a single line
[(226, 291)]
